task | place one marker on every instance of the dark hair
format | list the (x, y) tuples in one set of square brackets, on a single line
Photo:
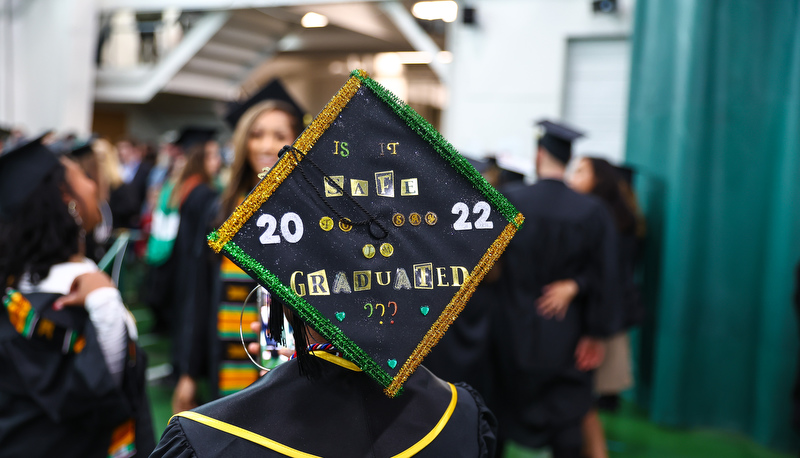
[(195, 166), (608, 184), (306, 364), (41, 236)]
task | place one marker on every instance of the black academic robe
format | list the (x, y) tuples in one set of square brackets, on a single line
[(126, 201), (209, 303), (633, 311), (196, 268), (342, 413), (59, 399), (566, 235), (465, 352)]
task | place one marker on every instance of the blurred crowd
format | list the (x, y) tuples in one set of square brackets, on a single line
[(167, 197)]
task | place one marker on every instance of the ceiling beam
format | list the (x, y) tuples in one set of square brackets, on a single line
[(415, 35), (110, 88), (205, 5)]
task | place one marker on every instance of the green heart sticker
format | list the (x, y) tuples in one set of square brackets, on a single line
[(392, 363), (340, 316), (424, 309)]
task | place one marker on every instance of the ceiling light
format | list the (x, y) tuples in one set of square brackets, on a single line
[(312, 20), (414, 57), (444, 10)]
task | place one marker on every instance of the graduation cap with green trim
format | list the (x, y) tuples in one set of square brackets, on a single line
[(373, 229)]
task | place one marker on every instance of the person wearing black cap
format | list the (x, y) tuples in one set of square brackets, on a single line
[(546, 379), (5, 133), (212, 289), (72, 382), (165, 215), (126, 201), (274, 90), (372, 232)]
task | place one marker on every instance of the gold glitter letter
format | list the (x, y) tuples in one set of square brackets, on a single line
[(464, 275), (294, 285)]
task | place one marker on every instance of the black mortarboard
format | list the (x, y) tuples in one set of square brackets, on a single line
[(21, 171), (190, 136), (81, 150), (626, 173), (373, 229), (274, 90), (557, 139)]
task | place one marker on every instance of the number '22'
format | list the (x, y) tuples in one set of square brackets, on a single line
[(462, 210)]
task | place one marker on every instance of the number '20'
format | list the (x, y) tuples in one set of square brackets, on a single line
[(271, 225)]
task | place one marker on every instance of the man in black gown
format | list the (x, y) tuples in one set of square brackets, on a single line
[(546, 362)]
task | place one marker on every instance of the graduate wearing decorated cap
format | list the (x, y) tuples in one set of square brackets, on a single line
[(72, 382), (550, 349), (372, 232)]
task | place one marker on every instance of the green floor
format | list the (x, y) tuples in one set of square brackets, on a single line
[(628, 431), (630, 434)]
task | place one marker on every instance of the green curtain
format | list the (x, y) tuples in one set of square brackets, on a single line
[(714, 130)]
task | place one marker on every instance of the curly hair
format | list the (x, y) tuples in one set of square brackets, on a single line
[(41, 236)]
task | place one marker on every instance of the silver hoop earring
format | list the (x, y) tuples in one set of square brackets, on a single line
[(72, 208)]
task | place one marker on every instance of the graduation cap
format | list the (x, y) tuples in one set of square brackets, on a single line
[(626, 173), (22, 170), (557, 139), (274, 90), (5, 132), (373, 229), (82, 150), (190, 136)]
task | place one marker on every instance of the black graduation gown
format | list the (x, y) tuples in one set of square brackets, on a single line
[(196, 268), (58, 401), (126, 201), (343, 413), (632, 307), (209, 299), (565, 235), (464, 353)]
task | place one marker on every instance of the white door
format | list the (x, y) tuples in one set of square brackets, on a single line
[(596, 95)]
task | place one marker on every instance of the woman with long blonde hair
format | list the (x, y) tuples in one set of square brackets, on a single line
[(208, 344)]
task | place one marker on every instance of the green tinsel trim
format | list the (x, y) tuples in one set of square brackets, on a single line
[(308, 313), (425, 130)]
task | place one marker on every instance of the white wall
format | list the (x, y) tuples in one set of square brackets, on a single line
[(47, 65), (508, 70)]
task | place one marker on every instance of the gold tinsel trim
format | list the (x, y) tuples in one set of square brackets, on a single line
[(285, 166), (455, 306)]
